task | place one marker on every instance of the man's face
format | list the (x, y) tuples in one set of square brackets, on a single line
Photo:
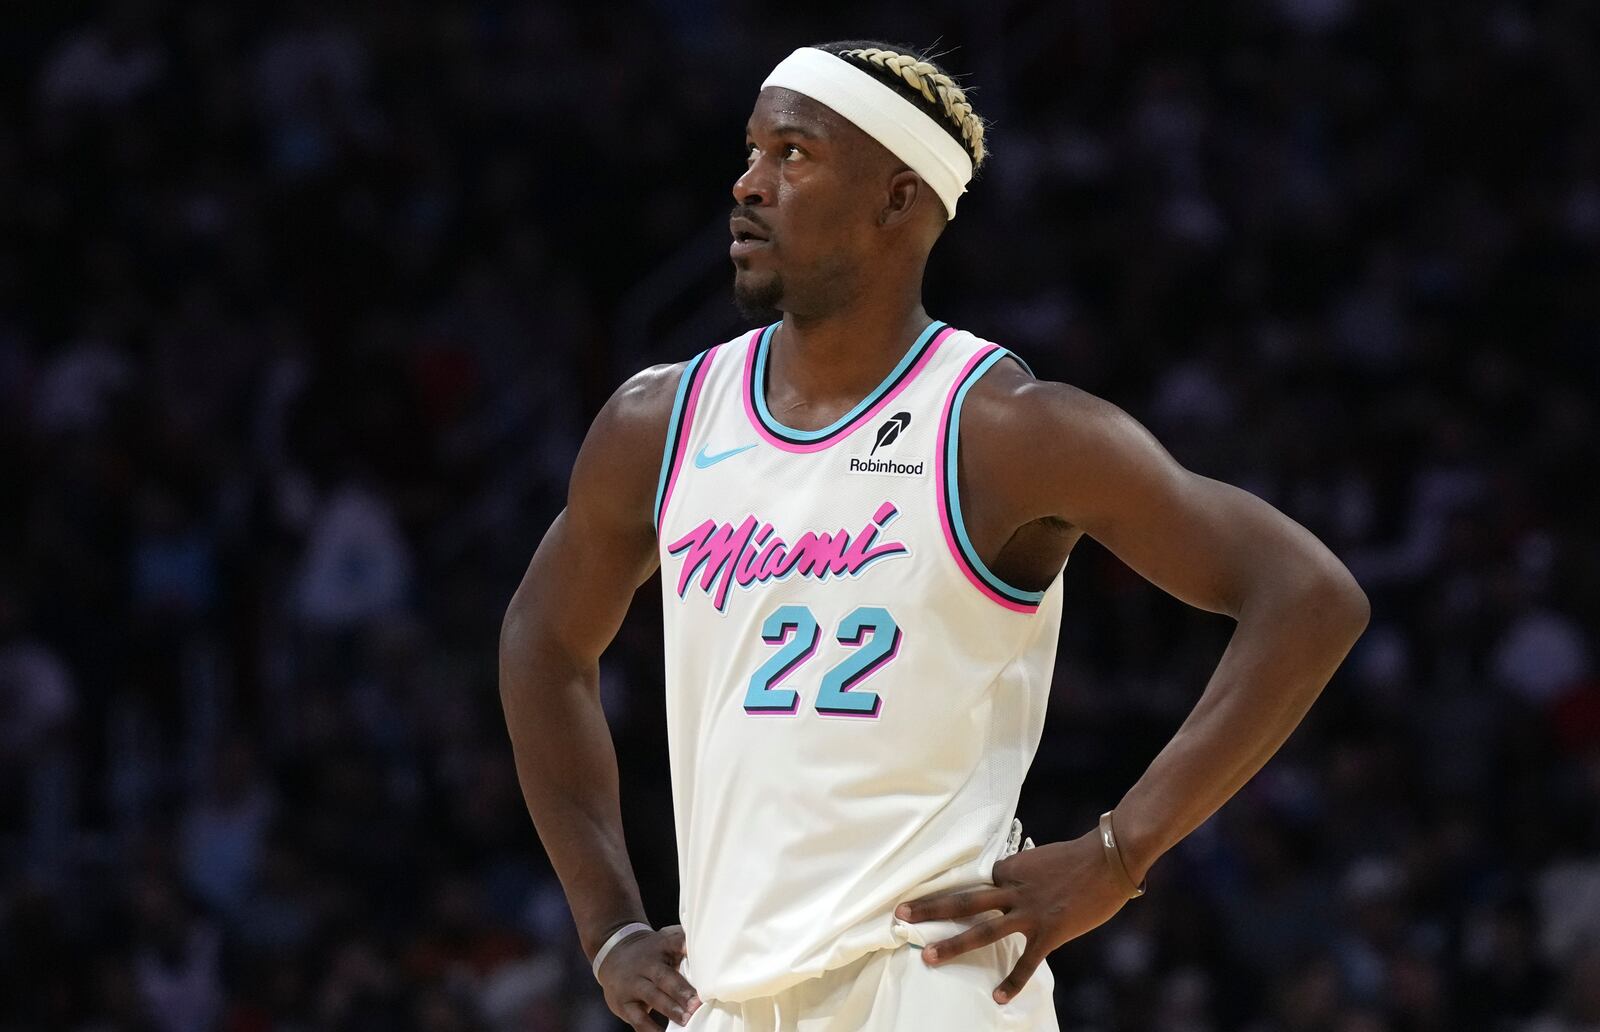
[(806, 190)]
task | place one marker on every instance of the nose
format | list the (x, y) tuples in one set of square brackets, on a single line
[(754, 188)]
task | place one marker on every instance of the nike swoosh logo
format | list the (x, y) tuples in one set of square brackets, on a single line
[(702, 460)]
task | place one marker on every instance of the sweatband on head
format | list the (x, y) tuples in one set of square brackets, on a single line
[(878, 110)]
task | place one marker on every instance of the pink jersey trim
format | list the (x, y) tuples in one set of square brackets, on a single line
[(816, 446), (689, 406), (938, 479)]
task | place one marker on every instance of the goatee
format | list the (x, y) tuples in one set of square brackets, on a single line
[(758, 300)]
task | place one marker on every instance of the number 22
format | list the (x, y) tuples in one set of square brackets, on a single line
[(795, 629)]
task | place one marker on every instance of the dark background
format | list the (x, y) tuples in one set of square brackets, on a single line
[(304, 310)]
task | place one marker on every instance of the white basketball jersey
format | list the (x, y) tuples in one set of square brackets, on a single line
[(853, 698)]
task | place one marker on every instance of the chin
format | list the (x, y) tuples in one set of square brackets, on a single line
[(757, 297)]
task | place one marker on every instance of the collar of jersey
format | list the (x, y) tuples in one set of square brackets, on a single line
[(841, 426)]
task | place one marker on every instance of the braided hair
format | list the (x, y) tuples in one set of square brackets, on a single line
[(919, 80)]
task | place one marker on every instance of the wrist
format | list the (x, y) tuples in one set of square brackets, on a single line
[(594, 938), (1140, 831), (1140, 837), (1116, 867), (1138, 840), (631, 930)]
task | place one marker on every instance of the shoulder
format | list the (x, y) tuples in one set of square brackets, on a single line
[(629, 435), (1011, 404), (1047, 446), (639, 410), (618, 463), (642, 403)]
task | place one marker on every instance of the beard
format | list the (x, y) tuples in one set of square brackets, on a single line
[(817, 288), (759, 299)]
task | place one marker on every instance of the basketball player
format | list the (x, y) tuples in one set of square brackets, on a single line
[(861, 515)]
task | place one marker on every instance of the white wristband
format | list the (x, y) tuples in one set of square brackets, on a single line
[(627, 931)]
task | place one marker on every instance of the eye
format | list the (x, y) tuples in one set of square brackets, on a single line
[(750, 150)]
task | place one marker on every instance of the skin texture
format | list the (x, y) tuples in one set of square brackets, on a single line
[(850, 229)]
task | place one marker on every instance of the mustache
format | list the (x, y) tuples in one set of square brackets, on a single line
[(740, 211)]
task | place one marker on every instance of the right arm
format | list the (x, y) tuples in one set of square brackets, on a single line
[(565, 612)]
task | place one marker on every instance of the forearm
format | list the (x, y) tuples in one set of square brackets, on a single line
[(567, 766), (1286, 646)]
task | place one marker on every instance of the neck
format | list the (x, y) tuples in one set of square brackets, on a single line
[(818, 366)]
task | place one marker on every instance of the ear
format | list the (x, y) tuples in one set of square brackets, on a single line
[(906, 188)]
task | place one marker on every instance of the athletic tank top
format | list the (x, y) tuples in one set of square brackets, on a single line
[(853, 697)]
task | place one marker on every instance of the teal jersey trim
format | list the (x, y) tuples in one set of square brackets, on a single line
[(674, 429), (953, 495), (758, 389)]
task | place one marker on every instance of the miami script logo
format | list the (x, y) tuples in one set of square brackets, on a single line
[(751, 552)]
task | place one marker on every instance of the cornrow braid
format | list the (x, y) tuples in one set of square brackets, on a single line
[(924, 83)]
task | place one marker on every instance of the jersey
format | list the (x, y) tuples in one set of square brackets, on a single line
[(852, 696)]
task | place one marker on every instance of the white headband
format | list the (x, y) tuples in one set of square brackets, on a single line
[(906, 130)]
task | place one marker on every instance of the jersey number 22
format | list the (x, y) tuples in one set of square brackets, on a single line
[(869, 632)]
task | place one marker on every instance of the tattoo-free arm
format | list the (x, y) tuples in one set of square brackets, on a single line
[(1043, 451), (1214, 546), (565, 612)]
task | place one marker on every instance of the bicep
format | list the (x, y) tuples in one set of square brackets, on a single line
[(602, 546), (580, 583), (1203, 541)]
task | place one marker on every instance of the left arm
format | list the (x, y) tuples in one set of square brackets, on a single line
[(1212, 545), (1220, 548)]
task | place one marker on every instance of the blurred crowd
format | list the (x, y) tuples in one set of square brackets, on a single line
[(304, 309)]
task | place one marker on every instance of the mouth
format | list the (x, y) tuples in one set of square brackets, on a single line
[(748, 236), (744, 245)]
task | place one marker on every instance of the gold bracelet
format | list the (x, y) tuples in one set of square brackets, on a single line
[(1119, 870)]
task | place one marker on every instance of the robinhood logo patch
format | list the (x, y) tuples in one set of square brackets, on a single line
[(890, 430), (887, 435), (913, 468)]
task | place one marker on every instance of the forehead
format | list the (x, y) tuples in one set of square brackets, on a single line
[(777, 107)]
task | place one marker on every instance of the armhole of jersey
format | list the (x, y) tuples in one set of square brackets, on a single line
[(683, 407), (945, 472)]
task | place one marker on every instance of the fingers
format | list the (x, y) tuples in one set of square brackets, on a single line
[(663, 1003), (649, 981), (670, 981), (664, 991), (976, 937), (637, 1015), (962, 903), (675, 986), (1026, 965)]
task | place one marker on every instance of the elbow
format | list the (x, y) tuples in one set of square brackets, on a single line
[(532, 652), (515, 628), (1341, 603), (1358, 611)]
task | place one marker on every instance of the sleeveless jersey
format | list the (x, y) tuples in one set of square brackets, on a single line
[(853, 698)]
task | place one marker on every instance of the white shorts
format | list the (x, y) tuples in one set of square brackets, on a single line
[(894, 990)]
